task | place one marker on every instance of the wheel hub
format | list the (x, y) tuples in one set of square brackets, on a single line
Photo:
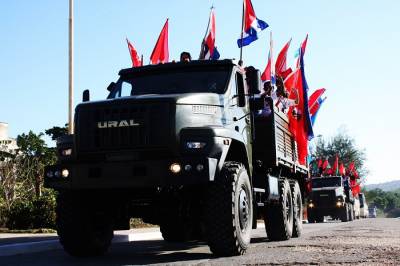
[(243, 210)]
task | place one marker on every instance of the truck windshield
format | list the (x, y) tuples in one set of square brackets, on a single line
[(326, 182), (173, 81)]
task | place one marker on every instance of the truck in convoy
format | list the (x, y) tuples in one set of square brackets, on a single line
[(178, 145), (330, 196)]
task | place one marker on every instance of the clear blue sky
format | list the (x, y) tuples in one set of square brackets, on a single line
[(353, 52)]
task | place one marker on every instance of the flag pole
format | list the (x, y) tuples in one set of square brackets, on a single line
[(71, 68), (241, 39)]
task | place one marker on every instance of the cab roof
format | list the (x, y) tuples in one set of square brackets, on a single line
[(178, 65)]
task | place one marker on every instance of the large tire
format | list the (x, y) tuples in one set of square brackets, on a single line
[(83, 230), (297, 210), (228, 211), (278, 218), (344, 217)]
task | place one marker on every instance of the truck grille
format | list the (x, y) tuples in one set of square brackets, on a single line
[(324, 198), (122, 125)]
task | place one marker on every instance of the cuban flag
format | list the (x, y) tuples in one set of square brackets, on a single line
[(252, 25), (208, 49)]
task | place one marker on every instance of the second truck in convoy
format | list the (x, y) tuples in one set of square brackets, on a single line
[(331, 196), (178, 145)]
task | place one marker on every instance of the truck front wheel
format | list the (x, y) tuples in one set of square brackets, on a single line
[(278, 218), (228, 211), (344, 217), (84, 229)]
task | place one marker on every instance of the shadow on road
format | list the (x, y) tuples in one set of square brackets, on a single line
[(136, 252), (25, 239)]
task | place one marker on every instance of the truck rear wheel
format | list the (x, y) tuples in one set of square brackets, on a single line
[(84, 230), (297, 210), (278, 218), (228, 211)]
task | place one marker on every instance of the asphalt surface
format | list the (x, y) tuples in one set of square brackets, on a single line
[(362, 242)]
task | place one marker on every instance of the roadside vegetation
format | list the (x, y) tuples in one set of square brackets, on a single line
[(24, 203), (388, 203)]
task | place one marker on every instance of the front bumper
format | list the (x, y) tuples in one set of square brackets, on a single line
[(131, 174)]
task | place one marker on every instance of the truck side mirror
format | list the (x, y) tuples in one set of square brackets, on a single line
[(240, 90), (111, 86), (85, 96), (253, 78)]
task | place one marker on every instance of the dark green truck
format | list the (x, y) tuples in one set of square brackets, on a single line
[(179, 145)]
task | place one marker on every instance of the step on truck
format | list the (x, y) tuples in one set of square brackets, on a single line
[(330, 196), (179, 145)]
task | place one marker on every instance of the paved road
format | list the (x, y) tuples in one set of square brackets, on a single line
[(369, 241)]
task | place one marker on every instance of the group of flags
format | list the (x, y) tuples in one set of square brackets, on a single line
[(338, 169), (301, 117), (251, 26), (160, 52), (301, 126)]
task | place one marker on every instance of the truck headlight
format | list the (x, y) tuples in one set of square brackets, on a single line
[(311, 205), (175, 168), (65, 173), (195, 144), (339, 204)]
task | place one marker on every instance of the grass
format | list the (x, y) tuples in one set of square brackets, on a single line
[(138, 223)]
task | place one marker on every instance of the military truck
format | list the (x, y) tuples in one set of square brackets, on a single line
[(179, 145), (330, 196), (363, 206)]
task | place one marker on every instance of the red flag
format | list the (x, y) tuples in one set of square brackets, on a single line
[(266, 75), (335, 170), (134, 55), (342, 170), (280, 65), (303, 49), (269, 73), (160, 52), (296, 123), (326, 165), (350, 169), (293, 80), (319, 163)]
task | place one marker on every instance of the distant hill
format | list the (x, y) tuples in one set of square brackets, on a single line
[(387, 186)]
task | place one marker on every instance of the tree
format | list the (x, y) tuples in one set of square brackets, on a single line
[(56, 132), (344, 146), (35, 155)]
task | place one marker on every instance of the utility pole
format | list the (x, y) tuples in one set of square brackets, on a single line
[(71, 68)]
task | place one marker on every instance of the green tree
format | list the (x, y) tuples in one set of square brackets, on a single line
[(35, 155), (56, 132), (345, 147)]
